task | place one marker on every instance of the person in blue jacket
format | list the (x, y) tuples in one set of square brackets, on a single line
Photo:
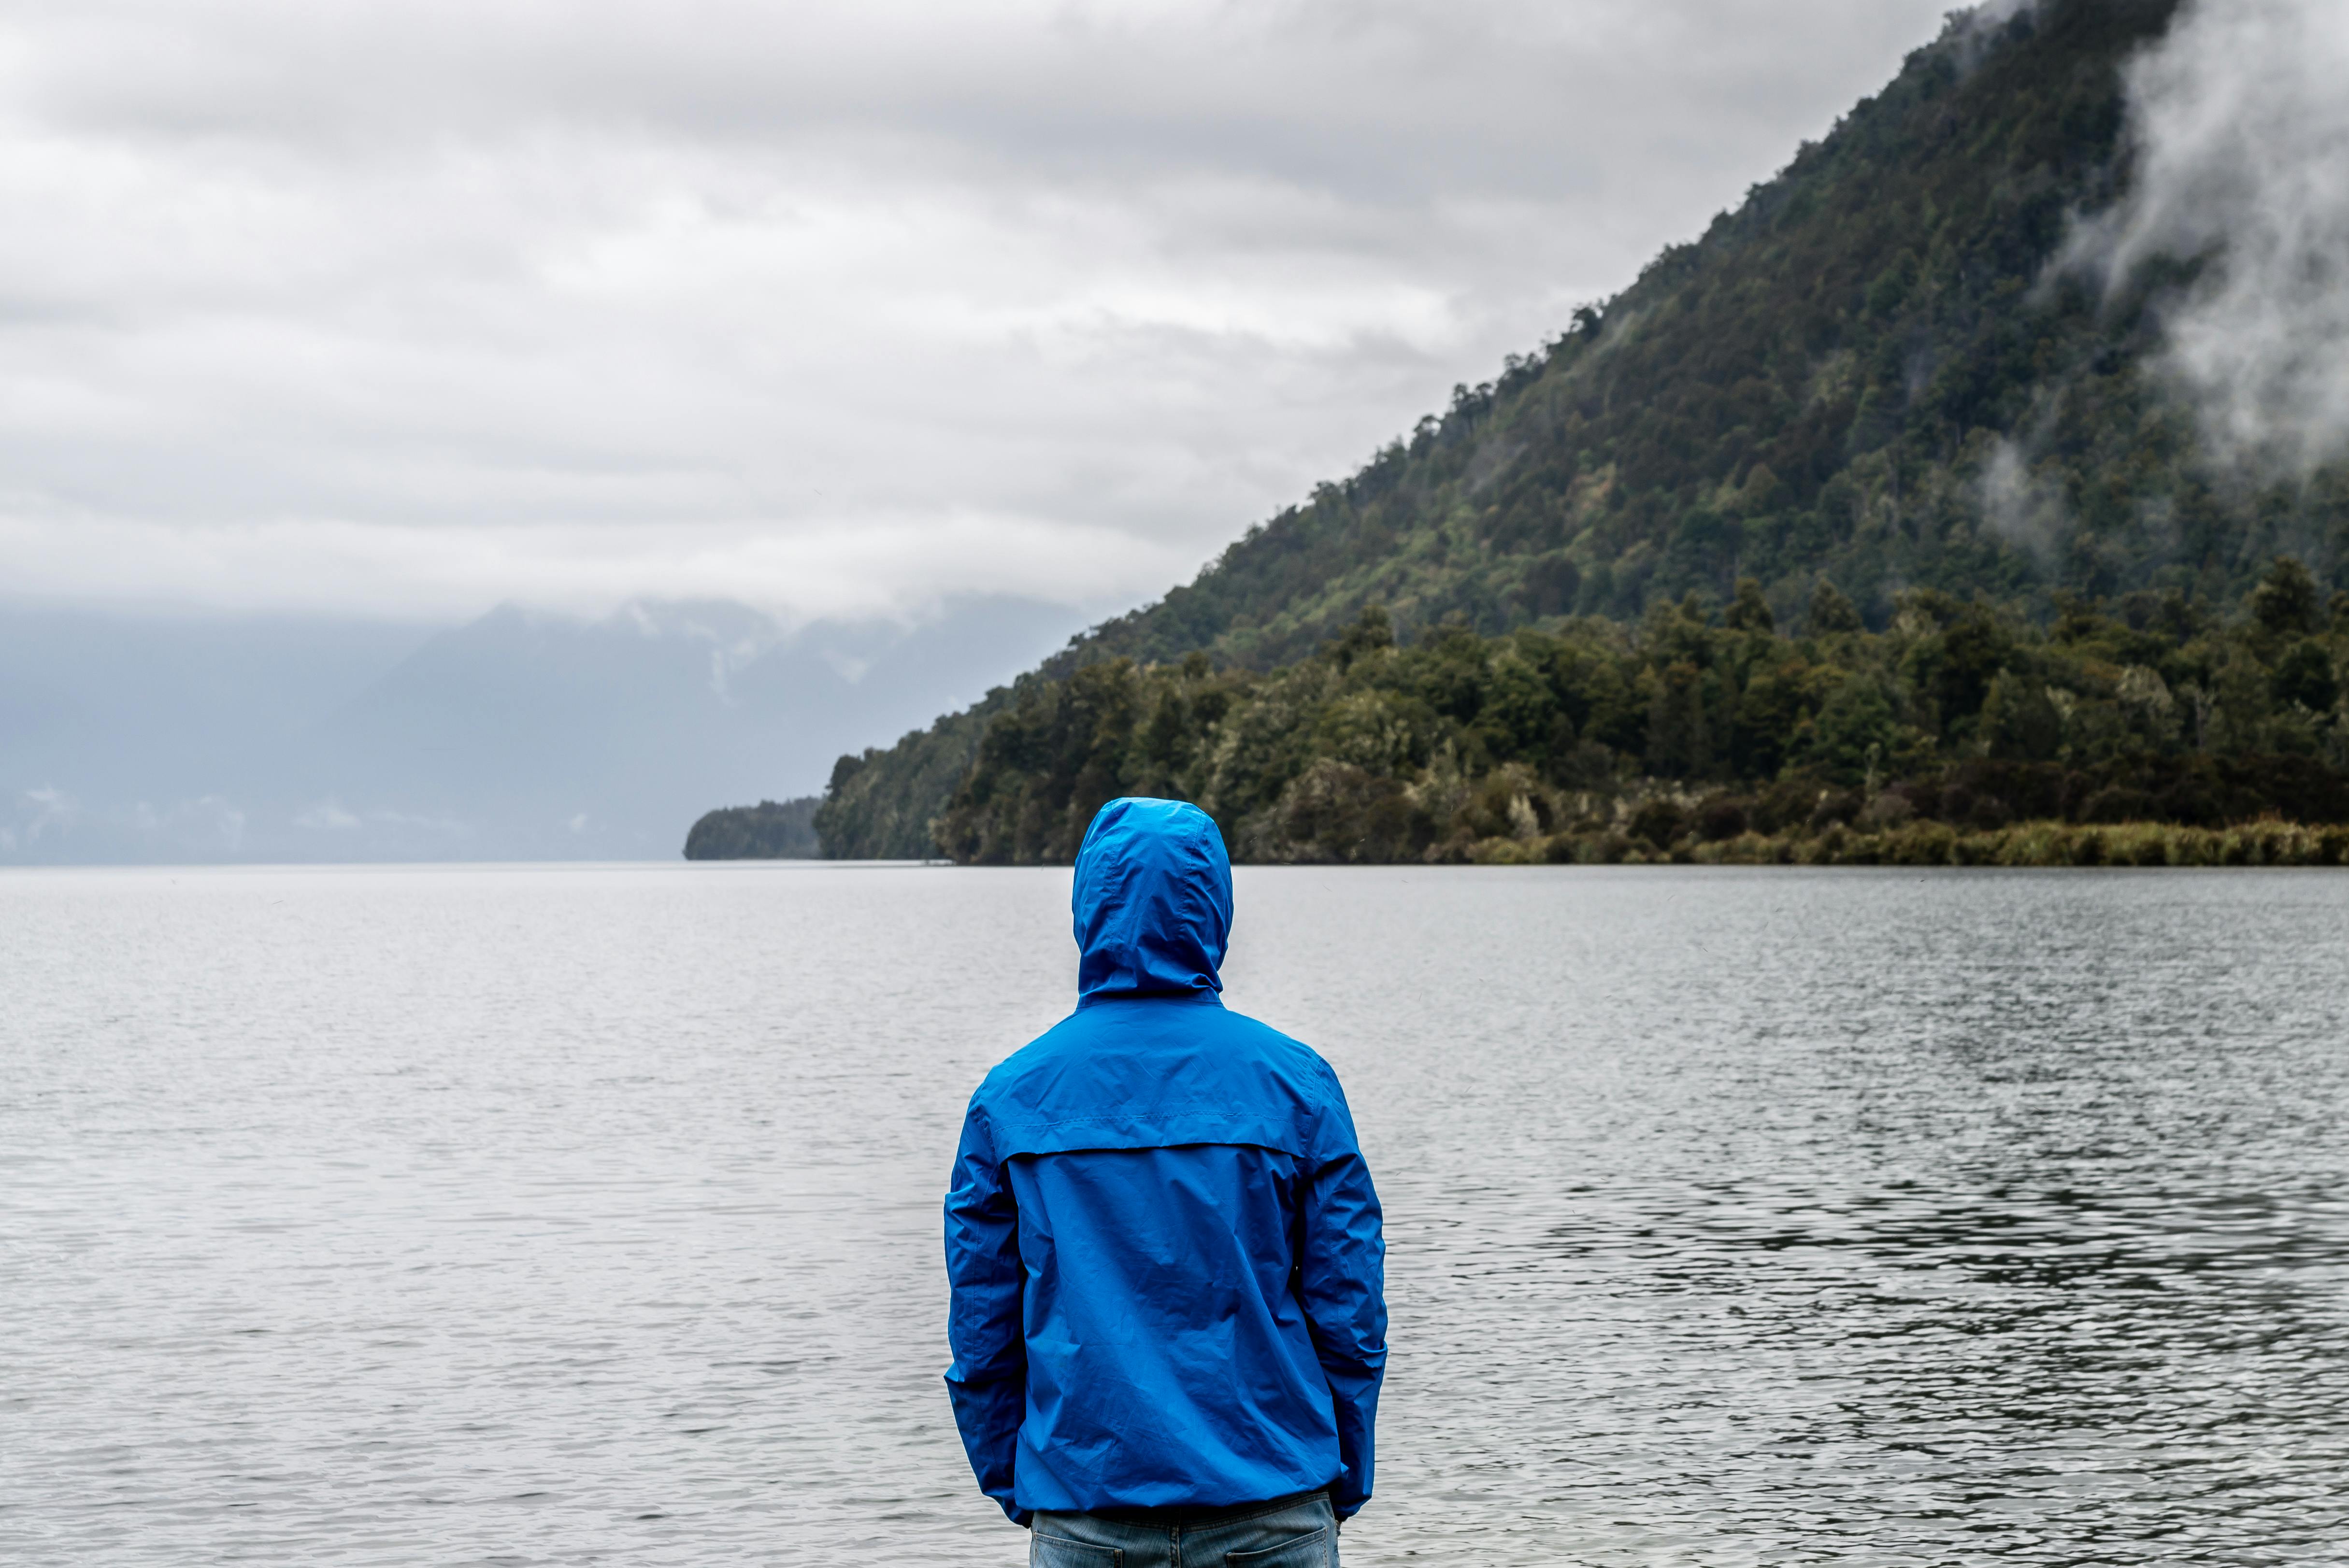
[(1168, 1318)]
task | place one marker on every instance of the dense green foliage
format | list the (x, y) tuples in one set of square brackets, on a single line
[(1867, 398), (881, 806), (1595, 740), (770, 831), (1866, 372)]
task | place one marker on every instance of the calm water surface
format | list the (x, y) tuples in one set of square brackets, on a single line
[(590, 1214)]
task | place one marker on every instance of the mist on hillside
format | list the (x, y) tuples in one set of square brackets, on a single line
[(2239, 129)]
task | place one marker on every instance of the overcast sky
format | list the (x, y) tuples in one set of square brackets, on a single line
[(401, 310)]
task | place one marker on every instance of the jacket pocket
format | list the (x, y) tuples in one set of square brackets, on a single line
[(1318, 1550), (1057, 1551)]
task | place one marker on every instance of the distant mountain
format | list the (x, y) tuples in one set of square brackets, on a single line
[(517, 735), (1883, 372), (148, 737)]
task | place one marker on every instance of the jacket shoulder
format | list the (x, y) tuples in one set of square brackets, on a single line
[(1286, 1050), (1135, 1074), (1091, 1034)]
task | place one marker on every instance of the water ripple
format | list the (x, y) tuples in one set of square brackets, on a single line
[(589, 1214)]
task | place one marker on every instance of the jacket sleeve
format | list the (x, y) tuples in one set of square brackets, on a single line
[(989, 1379), (1341, 1280)]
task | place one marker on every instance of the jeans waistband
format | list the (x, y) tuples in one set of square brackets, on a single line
[(1187, 1518)]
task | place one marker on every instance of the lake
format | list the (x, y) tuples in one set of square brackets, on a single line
[(590, 1213)]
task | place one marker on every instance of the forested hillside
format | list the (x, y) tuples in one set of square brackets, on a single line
[(1865, 371), (1600, 741), (1869, 386), (770, 831)]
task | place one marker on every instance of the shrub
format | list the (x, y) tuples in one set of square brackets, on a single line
[(1658, 821), (1925, 843), (1835, 807), (1721, 818), (1886, 810), (2118, 803), (1988, 814)]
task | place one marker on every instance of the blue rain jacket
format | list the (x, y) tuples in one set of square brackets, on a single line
[(1163, 1245)]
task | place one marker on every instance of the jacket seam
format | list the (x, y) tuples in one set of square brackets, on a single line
[(1173, 1107)]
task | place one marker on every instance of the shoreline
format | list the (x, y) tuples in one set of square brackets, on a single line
[(2035, 843)]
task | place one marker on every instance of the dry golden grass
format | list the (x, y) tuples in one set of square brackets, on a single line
[(2045, 844)]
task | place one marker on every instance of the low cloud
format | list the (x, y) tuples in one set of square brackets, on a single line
[(327, 816), (43, 812), (331, 816), (404, 310), (2241, 132), (2022, 508), (899, 566)]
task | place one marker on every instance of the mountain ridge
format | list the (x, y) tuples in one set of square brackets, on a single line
[(521, 733)]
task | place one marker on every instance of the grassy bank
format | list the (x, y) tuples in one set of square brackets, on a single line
[(2043, 843)]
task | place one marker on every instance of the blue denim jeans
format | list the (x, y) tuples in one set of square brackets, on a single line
[(1291, 1533)]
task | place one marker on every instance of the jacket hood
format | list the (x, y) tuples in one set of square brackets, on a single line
[(1152, 900)]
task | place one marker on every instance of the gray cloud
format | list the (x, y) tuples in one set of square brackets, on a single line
[(2242, 128), (403, 310)]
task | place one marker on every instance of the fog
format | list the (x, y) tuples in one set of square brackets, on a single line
[(2239, 124)]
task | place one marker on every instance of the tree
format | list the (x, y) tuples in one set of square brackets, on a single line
[(1373, 632), (2017, 721), (1678, 743), (1831, 612), (1520, 708), (1749, 612), (2286, 603), (1854, 729), (2304, 676)]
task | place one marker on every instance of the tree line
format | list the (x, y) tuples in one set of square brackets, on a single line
[(1701, 725)]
